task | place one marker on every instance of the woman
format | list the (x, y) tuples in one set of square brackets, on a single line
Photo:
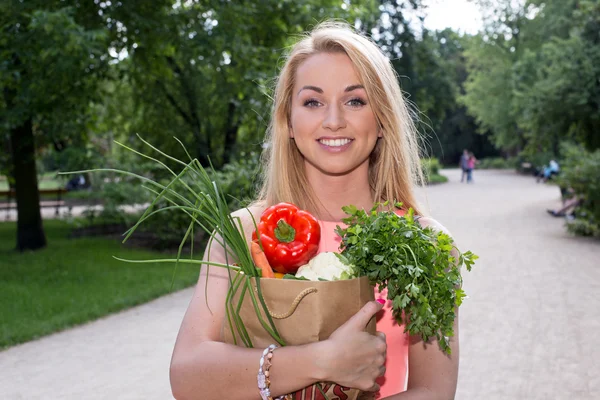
[(472, 161), (340, 134)]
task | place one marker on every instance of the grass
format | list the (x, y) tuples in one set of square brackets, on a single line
[(437, 178), (73, 281), (47, 180)]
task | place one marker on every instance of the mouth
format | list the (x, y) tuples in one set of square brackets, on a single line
[(335, 142)]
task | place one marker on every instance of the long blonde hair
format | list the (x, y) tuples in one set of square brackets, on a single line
[(394, 166)]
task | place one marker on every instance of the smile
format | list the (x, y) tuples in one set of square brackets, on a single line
[(335, 142)]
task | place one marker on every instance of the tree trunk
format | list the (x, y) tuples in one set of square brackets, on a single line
[(230, 134), (30, 231)]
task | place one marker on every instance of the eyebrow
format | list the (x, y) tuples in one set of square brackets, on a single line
[(319, 90)]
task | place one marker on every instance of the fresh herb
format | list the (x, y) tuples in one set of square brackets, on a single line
[(416, 265)]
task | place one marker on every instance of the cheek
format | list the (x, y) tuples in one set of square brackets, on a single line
[(367, 123), (300, 123)]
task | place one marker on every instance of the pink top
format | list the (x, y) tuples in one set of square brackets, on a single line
[(472, 162), (396, 376)]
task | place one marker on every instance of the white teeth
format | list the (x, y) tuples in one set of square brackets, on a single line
[(334, 142)]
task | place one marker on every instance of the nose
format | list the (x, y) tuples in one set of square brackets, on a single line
[(334, 119)]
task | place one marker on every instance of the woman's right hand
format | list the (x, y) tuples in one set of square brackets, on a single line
[(352, 357)]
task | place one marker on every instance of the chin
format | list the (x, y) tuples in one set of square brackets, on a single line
[(332, 170), (337, 169)]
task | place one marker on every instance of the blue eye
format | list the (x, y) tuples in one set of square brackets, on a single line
[(357, 102), (311, 103)]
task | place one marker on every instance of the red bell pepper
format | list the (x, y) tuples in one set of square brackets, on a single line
[(289, 237)]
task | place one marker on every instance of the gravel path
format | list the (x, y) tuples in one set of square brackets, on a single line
[(527, 330)]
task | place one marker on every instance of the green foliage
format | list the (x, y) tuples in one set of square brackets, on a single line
[(51, 63), (415, 264), (498, 163), (584, 225), (432, 71), (580, 172), (487, 95), (73, 281), (202, 72), (533, 75), (431, 167), (238, 179)]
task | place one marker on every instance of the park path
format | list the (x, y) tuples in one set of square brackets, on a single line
[(50, 212), (527, 329)]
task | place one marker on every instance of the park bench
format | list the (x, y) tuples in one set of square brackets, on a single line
[(59, 202)]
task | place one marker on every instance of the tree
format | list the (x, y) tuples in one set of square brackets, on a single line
[(195, 69), (47, 75), (203, 72), (432, 71), (490, 57), (534, 77), (456, 129), (557, 79)]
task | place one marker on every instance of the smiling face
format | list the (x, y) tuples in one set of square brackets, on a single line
[(331, 119)]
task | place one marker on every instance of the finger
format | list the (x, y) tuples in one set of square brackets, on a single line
[(383, 347), (364, 315)]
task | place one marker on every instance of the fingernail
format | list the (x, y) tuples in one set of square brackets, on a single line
[(381, 301)]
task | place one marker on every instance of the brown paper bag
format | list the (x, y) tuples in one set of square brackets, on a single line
[(303, 312)]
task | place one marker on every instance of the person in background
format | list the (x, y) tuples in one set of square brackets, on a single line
[(550, 170), (568, 207), (75, 183), (464, 165), (471, 162)]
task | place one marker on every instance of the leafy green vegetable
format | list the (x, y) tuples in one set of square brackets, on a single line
[(416, 265)]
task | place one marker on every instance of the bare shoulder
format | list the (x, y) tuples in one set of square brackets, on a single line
[(433, 224), (245, 220), (248, 217), (249, 213)]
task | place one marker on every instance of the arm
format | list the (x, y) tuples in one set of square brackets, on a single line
[(432, 374), (203, 367)]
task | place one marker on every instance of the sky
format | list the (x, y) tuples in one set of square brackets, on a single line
[(460, 15)]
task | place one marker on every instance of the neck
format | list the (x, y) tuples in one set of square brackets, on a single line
[(335, 191)]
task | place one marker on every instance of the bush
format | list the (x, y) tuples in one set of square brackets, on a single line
[(238, 182), (165, 229), (431, 168), (497, 163), (238, 179), (534, 161), (580, 172)]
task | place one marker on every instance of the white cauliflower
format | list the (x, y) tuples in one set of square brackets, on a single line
[(325, 266)]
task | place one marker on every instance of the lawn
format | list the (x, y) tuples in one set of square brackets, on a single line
[(48, 180), (73, 281), (437, 178)]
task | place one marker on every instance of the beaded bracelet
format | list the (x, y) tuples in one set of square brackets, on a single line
[(264, 382)]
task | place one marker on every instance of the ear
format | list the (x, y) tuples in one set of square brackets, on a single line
[(379, 133), (291, 132)]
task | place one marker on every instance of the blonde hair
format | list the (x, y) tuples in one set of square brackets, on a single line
[(394, 166)]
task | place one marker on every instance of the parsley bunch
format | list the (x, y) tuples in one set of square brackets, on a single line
[(415, 264)]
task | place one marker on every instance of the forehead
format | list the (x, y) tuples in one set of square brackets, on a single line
[(327, 71)]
